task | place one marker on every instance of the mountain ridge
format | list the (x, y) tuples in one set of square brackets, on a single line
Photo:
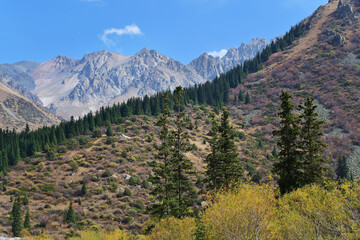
[(76, 86)]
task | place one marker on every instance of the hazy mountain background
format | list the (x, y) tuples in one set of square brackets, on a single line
[(68, 86)]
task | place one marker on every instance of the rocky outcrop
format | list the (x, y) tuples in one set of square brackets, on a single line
[(18, 77), (344, 9), (351, 60), (334, 38)]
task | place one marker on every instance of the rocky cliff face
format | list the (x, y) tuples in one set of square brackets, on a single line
[(18, 77), (75, 86), (209, 67)]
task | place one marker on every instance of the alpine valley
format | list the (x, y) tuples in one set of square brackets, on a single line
[(144, 158)]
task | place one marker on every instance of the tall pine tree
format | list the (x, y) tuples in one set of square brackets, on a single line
[(182, 167), (161, 205), (70, 214), (311, 146), (288, 165), (16, 220), (223, 164), (27, 223)]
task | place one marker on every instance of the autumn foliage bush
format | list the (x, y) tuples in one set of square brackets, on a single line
[(253, 211)]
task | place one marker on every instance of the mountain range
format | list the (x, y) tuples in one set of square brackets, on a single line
[(73, 87)]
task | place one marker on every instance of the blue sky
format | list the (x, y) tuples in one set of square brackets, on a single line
[(38, 30)]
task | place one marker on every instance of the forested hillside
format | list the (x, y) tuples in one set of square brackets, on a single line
[(133, 165)]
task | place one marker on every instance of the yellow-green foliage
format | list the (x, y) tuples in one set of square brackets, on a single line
[(257, 212), (95, 235), (42, 236), (173, 229), (246, 212), (313, 213)]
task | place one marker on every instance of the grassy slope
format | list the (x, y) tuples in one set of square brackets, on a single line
[(313, 65), (103, 207)]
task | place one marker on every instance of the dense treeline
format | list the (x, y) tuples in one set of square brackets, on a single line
[(14, 146)]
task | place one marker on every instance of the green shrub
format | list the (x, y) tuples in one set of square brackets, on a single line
[(96, 191), (138, 203), (74, 166), (50, 155), (113, 187), (97, 133), (134, 181), (124, 154), (62, 149), (72, 143), (110, 140), (83, 140), (127, 192), (48, 187), (106, 173)]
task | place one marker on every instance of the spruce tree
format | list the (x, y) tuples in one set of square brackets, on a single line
[(311, 146), (274, 152), (288, 165), (70, 214), (109, 131), (84, 190), (342, 169), (16, 220), (181, 166), (241, 96), (247, 98), (27, 223), (224, 166), (26, 199), (161, 205)]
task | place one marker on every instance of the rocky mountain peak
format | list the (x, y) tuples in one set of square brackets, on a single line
[(61, 59), (246, 51), (209, 67), (74, 87)]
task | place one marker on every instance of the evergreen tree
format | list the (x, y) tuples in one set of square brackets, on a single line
[(241, 96), (224, 165), (16, 220), (247, 98), (70, 214), (311, 145), (109, 131), (342, 170), (164, 177), (84, 190), (275, 153), (27, 223), (184, 192), (288, 166), (26, 199)]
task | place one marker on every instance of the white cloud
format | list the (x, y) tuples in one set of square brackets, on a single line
[(132, 29), (220, 53)]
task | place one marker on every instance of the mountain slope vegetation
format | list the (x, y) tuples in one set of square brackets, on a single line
[(318, 57)]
